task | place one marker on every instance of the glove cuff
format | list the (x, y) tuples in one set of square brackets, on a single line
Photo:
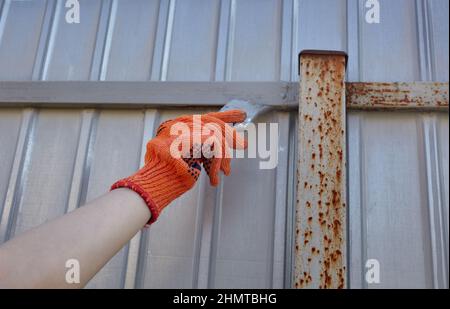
[(159, 183), (128, 183)]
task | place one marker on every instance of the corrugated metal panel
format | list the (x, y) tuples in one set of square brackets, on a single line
[(228, 40), (175, 252), (398, 161), (390, 198)]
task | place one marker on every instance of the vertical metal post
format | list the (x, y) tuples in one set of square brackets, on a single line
[(320, 242)]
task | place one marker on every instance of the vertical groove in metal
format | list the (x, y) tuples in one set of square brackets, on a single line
[(215, 234), (354, 247), (134, 269), (423, 31), (79, 173), (43, 39), (222, 41), (108, 41), (4, 10), (168, 40), (103, 40), (286, 41), (198, 231), (156, 67), (290, 209), (50, 41), (360, 40), (294, 36), (353, 29), (89, 156), (222, 72), (215, 63), (278, 244), (429, 41), (363, 199), (230, 41), (435, 201), (18, 174)]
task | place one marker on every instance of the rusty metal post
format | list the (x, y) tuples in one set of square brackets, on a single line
[(320, 242)]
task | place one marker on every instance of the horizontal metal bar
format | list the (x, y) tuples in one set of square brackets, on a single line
[(418, 95), (144, 93), (367, 96)]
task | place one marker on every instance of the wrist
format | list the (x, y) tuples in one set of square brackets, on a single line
[(159, 182)]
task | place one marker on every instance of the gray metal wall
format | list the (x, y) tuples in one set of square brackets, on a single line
[(53, 160)]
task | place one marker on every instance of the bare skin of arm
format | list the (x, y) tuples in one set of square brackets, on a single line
[(92, 234)]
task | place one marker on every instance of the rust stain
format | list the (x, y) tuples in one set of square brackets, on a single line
[(424, 95), (322, 259)]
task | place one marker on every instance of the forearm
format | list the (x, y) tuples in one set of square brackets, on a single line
[(92, 234)]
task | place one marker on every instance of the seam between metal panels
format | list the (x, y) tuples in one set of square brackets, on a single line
[(108, 41), (291, 198), (430, 40), (360, 40), (363, 200), (280, 201), (137, 250), (222, 41), (215, 233), (89, 158), (347, 199), (279, 50), (217, 25), (441, 192), (18, 174), (50, 41), (102, 48), (4, 10), (423, 39), (286, 41), (352, 40), (198, 231), (280, 198), (230, 40), (168, 40), (79, 172), (50, 7), (160, 33), (294, 40), (435, 201)]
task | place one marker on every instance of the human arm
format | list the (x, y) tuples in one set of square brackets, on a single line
[(91, 234), (94, 233)]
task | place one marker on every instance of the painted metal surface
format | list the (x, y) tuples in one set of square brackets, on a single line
[(398, 162), (415, 96), (55, 147), (320, 244)]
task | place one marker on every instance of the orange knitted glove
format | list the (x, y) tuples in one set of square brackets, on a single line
[(166, 176)]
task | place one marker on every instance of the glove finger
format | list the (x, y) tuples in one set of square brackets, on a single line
[(214, 171), (231, 116), (227, 132)]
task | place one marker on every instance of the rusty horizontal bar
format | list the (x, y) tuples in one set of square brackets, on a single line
[(391, 96), (284, 95), (320, 241)]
